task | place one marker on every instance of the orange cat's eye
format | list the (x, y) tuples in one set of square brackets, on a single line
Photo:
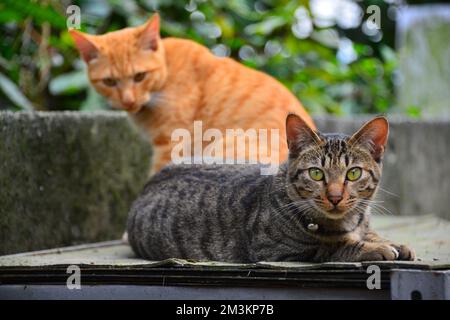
[(110, 82), (138, 77)]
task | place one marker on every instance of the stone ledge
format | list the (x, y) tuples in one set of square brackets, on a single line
[(67, 177)]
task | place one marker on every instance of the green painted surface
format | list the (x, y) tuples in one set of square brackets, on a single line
[(428, 235)]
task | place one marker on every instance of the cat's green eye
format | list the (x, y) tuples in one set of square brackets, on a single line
[(354, 174), (316, 174), (110, 82), (138, 77)]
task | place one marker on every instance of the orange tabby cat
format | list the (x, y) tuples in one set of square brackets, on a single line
[(166, 84)]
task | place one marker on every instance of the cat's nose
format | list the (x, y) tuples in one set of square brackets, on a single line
[(334, 199), (128, 104), (335, 193), (128, 99)]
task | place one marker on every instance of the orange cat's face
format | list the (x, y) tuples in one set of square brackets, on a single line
[(125, 66)]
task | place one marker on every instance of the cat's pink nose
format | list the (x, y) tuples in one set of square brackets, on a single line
[(335, 193), (334, 199), (128, 99)]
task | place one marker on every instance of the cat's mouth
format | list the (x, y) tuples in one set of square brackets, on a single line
[(333, 208), (130, 108), (334, 213), (337, 212), (134, 109)]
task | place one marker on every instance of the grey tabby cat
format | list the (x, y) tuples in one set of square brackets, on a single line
[(316, 208)]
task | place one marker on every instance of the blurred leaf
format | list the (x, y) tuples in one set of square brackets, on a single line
[(242, 9), (226, 25), (10, 89), (388, 54), (7, 15), (309, 67), (93, 102), (265, 27), (39, 12), (69, 83), (413, 111)]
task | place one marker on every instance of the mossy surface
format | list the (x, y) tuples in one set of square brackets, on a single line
[(67, 177)]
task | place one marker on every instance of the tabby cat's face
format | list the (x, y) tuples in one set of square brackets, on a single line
[(125, 66), (333, 174)]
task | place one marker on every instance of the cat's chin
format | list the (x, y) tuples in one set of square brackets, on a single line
[(131, 110), (334, 214), (134, 110)]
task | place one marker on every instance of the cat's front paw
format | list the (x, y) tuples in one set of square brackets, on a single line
[(379, 252), (404, 252)]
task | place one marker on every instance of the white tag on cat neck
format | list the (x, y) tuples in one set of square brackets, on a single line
[(313, 227)]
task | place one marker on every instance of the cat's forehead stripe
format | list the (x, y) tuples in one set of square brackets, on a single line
[(335, 150)]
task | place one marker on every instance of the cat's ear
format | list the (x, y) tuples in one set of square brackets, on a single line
[(373, 135), (149, 37), (86, 47), (299, 134)]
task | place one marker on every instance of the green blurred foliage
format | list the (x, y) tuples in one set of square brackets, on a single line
[(40, 68)]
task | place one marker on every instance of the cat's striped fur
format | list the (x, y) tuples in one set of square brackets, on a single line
[(232, 213)]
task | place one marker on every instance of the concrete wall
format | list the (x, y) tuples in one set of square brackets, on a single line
[(416, 164), (68, 177), (423, 43)]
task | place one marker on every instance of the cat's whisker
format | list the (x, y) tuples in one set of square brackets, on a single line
[(370, 201), (299, 211), (295, 203), (388, 192), (377, 211), (384, 209), (375, 205), (378, 208), (358, 210), (298, 205), (289, 207)]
